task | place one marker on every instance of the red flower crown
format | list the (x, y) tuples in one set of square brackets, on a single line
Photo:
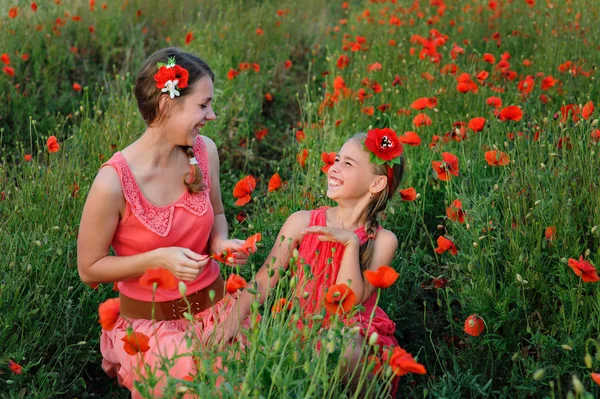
[(385, 148), (171, 77)]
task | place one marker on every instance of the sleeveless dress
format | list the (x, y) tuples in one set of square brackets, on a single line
[(324, 274), (186, 223)]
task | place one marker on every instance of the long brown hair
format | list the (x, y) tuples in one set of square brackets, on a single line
[(148, 98), (377, 204)]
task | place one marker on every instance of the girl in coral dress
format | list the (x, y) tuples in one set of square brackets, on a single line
[(158, 204), (340, 243)]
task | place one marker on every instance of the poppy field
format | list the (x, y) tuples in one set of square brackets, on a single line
[(497, 216)]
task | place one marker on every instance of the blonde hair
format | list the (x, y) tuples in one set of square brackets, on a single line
[(377, 203)]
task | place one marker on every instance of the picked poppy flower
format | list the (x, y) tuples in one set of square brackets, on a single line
[(408, 194), (584, 269), (474, 325), (497, 158), (274, 182), (447, 167), (243, 189), (15, 367), (403, 363), (587, 110), (52, 144), (411, 138), (329, 159), (234, 283), (161, 276), (444, 245), (455, 212), (135, 343), (384, 144), (477, 124), (339, 299), (108, 312), (223, 256), (383, 277), (249, 246), (511, 113)]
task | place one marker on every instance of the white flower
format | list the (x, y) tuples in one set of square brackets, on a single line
[(170, 87)]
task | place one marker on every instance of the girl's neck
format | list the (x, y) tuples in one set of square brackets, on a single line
[(347, 218), (153, 150)]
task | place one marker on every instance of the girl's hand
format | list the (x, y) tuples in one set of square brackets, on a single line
[(184, 263), (344, 237), (224, 331), (234, 256)]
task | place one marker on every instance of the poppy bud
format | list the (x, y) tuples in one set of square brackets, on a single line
[(594, 123), (587, 252), (277, 344), (594, 229), (331, 346), (505, 144), (578, 385), (37, 243), (181, 389), (295, 253), (539, 374), (545, 120), (495, 187), (588, 360), (182, 288), (373, 339), (304, 295), (537, 202), (468, 226), (566, 347), (542, 166), (475, 245)]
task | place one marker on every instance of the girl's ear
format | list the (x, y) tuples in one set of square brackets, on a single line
[(379, 184)]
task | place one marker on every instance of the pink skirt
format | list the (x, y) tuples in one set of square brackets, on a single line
[(167, 338)]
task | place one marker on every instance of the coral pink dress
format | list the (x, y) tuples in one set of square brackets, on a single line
[(317, 254), (185, 223)]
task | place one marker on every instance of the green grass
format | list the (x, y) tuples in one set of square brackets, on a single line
[(48, 318)]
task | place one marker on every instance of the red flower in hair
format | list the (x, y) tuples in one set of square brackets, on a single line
[(171, 72), (385, 145)]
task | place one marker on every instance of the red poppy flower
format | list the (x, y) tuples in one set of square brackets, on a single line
[(495, 102), (511, 113), (343, 61), (274, 182), (376, 66), (52, 144), (108, 312), (163, 277), (27, 157), (135, 343), (13, 12), (243, 189), (300, 136), (189, 37), (280, 305), (5, 58), (421, 120), (595, 377), (268, 97), (587, 110), (287, 64), (584, 269), (339, 299), (370, 110), (548, 82), (408, 194), (25, 57), (9, 71), (232, 73), (234, 283), (497, 158), (329, 159), (550, 232), (570, 108), (76, 87), (384, 143), (260, 134), (259, 31), (34, 6), (424, 102), (176, 72), (410, 138), (383, 277), (444, 245), (477, 124), (249, 246), (302, 157), (397, 81), (474, 325), (338, 83), (447, 167), (455, 212), (489, 58), (15, 367), (402, 363)]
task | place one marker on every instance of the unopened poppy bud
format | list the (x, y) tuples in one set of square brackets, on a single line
[(495, 187), (481, 238), (594, 123), (587, 252), (563, 260), (250, 227), (519, 278), (505, 144), (588, 360), (29, 268), (542, 166), (317, 317), (55, 228), (182, 288), (418, 195), (211, 295), (373, 339), (539, 374), (81, 343), (181, 389), (440, 226), (578, 385), (37, 243), (331, 346), (537, 202), (277, 344), (495, 147), (293, 281), (295, 253), (305, 295), (468, 226), (566, 347), (594, 229), (475, 244)]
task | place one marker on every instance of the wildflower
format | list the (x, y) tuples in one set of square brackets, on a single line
[(52, 144), (234, 283), (339, 299), (161, 276), (474, 325), (383, 277), (108, 312), (135, 343), (243, 189), (584, 269), (274, 182), (408, 194)]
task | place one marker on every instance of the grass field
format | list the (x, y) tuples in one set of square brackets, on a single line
[(507, 87)]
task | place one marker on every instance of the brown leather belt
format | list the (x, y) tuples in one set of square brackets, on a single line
[(173, 310)]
